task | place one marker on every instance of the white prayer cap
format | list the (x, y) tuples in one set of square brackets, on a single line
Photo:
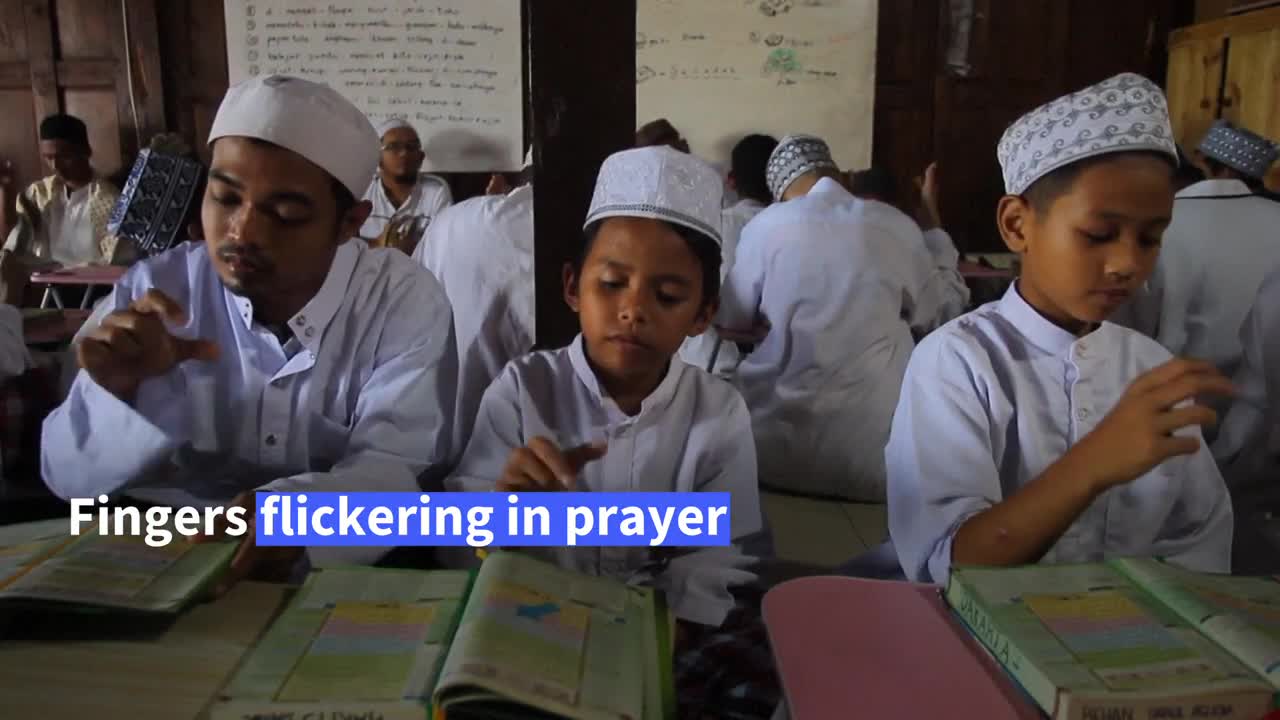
[(1239, 149), (1125, 113), (307, 118), (795, 155), (662, 183), (393, 124)]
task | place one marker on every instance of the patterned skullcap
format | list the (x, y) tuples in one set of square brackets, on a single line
[(1239, 149), (794, 156), (1125, 113), (660, 183)]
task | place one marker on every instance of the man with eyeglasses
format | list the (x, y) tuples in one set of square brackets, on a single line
[(404, 199)]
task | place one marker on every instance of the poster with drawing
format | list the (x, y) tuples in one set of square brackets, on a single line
[(720, 69)]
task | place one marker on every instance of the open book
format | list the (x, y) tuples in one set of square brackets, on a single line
[(519, 638), (43, 563), (1128, 638)]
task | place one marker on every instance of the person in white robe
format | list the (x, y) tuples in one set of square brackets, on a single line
[(617, 410), (834, 290), (747, 179), (1247, 447), (279, 354), (1221, 243), (481, 252), (405, 200), (1033, 429)]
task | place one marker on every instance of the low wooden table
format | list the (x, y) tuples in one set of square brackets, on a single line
[(89, 275), (103, 666), (54, 327)]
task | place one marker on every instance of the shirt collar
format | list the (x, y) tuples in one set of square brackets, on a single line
[(1035, 327), (826, 186), (656, 401), (309, 324), (1215, 188)]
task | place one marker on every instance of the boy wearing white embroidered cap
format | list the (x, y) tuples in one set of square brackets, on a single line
[(617, 410), (275, 355), (1032, 429)]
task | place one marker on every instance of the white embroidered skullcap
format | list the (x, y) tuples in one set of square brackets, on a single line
[(662, 183), (1124, 113), (795, 156), (1239, 149), (394, 123), (307, 118)]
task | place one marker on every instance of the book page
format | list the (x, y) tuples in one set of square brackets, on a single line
[(1242, 614), (553, 639), (335, 648), (123, 572), (1090, 630)]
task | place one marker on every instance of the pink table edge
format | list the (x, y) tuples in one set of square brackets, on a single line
[(770, 608), (95, 275)]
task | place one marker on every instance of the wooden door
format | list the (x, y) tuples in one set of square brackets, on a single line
[(1194, 84), (87, 58), (1251, 92)]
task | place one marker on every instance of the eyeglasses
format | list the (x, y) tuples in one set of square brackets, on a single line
[(396, 148)]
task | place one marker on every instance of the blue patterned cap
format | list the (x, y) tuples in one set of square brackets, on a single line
[(794, 156), (1239, 149), (1125, 113)]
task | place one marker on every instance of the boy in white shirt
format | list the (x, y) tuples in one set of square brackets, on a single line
[(1033, 430), (618, 411)]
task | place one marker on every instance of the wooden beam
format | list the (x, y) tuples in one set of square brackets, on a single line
[(143, 24), (77, 74), (15, 76), (582, 77), (44, 76)]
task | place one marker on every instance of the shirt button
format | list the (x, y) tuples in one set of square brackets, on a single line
[(1082, 414), (271, 440), (309, 332), (302, 320)]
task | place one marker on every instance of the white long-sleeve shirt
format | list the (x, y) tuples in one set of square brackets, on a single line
[(995, 397), (481, 251), (1248, 443), (692, 434), (700, 351), (429, 198), (1220, 244), (842, 283), (358, 398)]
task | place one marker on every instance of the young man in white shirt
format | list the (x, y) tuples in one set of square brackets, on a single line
[(63, 217), (1221, 244), (277, 354), (481, 251), (837, 291), (405, 200)]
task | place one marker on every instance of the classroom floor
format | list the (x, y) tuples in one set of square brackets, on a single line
[(823, 532)]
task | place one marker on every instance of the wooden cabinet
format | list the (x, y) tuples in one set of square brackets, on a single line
[(1228, 68)]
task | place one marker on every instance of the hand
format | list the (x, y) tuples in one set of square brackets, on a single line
[(250, 562), (497, 185), (133, 345), (751, 336), (927, 214), (1138, 434), (543, 466)]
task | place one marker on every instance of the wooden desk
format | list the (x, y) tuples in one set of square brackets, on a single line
[(89, 275), (110, 666), (848, 647), (975, 271)]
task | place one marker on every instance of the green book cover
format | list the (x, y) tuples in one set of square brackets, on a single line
[(1088, 641)]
